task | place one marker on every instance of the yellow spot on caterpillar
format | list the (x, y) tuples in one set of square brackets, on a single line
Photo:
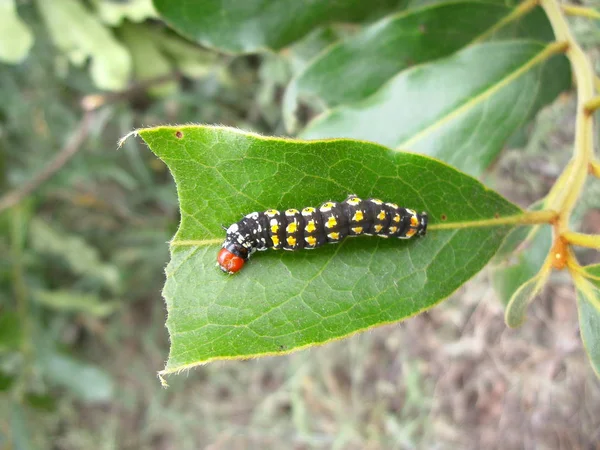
[(335, 236), (291, 240), (396, 218), (272, 213), (311, 226), (357, 230), (411, 232), (376, 201), (274, 228), (381, 215), (292, 227), (412, 211), (354, 201), (308, 211), (291, 212), (326, 207), (378, 228), (358, 216), (414, 221), (393, 229), (331, 222), (275, 240), (311, 240), (393, 205)]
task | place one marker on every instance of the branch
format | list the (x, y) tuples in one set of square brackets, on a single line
[(73, 145)]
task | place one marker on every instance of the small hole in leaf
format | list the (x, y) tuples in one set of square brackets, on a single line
[(497, 215), (178, 134), (422, 29), (444, 217)]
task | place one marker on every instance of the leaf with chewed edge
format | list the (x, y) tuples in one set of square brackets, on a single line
[(283, 301)]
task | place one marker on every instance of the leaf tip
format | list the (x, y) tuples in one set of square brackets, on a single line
[(163, 381), (124, 138)]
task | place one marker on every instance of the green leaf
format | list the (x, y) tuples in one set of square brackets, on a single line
[(588, 301), (367, 60), (148, 61), (79, 34), (15, 38), (460, 109), (522, 264), (514, 315), (191, 60), (254, 25), (285, 301)]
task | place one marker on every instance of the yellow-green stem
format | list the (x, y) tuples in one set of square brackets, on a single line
[(573, 178), (595, 168), (592, 105), (582, 11), (529, 218), (582, 240)]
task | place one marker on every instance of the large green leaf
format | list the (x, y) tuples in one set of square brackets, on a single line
[(460, 109), (373, 56), (254, 25), (588, 301), (283, 301)]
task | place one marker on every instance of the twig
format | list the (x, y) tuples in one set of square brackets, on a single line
[(73, 145), (582, 11)]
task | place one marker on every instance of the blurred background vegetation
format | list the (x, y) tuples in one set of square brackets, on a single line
[(81, 317)]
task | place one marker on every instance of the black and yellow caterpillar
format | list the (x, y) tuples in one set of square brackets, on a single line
[(313, 227)]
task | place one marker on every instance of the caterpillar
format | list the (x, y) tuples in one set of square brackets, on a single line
[(313, 227)]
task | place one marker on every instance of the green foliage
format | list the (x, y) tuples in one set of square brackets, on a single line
[(495, 89), (256, 25), (284, 301), (80, 309)]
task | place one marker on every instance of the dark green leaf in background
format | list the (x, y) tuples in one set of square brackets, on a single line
[(589, 317), (253, 25), (460, 109), (283, 301), (355, 68)]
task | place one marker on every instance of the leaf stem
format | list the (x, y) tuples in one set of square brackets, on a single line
[(592, 105), (582, 11), (595, 168), (529, 218), (582, 240), (566, 191)]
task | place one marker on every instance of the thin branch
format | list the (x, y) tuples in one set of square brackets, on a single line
[(73, 145), (582, 11), (582, 240), (592, 105)]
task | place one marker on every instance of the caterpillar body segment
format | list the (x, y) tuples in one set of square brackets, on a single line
[(313, 227)]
